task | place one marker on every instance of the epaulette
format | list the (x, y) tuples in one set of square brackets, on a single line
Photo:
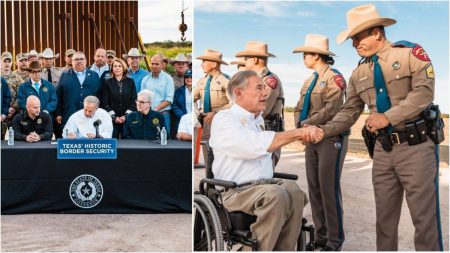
[(417, 50)]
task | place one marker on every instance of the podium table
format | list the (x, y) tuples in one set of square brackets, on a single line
[(145, 178)]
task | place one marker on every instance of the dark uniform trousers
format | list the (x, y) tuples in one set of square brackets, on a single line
[(410, 169), (324, 162)]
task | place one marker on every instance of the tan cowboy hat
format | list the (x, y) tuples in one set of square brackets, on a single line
[(34, 66), (361, 18), (255, 48), (239, 62), (134, 52), (179, 58), (315, 43), (212, 55), (32, 53), (48, 53)]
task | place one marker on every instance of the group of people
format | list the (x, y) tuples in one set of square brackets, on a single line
[(241, 118), (127, 100)]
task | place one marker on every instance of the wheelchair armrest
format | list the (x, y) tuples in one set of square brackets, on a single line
[(285, 176), (218, 182)]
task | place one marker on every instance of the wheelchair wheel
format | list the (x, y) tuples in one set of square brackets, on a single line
[(301, 241), (207, 227)]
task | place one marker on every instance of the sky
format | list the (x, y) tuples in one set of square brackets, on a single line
[(227, 25), (159, 20)]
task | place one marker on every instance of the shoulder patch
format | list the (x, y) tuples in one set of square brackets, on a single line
[(340, 81), (430, 71), (417, 50), (420, 53), (272, 82)]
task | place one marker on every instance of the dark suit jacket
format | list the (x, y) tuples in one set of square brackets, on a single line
[(47, 95), (179, 102), (71, 94)]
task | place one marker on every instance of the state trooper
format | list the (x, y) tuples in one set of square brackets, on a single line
[(396, 82), (211, 90), (321, 97), (256, 57), (21, 64), (240, 64), (49, 72)]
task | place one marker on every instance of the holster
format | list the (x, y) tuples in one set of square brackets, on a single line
[(434, 122), (369, 139)]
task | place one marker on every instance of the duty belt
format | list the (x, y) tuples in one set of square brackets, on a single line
[(399, 137)]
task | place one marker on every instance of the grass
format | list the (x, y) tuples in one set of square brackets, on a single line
[(169, 48)]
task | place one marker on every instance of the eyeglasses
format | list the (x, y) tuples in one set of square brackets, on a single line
[(79, 59), (141, 102), (35, 72)]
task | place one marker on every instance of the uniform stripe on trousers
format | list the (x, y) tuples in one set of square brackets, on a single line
[(337, 190), (438, 209)]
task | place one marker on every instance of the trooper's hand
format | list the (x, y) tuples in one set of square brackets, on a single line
[(376, 121)]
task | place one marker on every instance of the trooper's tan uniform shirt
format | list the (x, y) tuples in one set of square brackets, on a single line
[(56, 74), (408, 171), (410, 84), (274, 92), (218, 92), (326, 98), (323, 160)]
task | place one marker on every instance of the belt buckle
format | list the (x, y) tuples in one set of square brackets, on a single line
[(395, 139)]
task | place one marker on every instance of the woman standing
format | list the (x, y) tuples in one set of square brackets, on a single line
[(320, 99), (119, 96), (182, 101)]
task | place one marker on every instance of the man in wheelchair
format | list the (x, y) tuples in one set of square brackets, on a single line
[(242, 154)]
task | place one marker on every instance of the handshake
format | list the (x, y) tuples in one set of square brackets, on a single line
[(310, 134)]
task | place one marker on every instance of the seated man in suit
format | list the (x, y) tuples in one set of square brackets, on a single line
[(243, 154), (89, 122), (32, 125)]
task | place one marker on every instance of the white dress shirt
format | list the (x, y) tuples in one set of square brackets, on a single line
[(81, 125), (185, 125), (240, 146)]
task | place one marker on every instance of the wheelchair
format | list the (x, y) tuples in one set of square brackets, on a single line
[(215, 227)]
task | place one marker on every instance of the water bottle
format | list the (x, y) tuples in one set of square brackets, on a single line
[(163, 136), (10, 137)]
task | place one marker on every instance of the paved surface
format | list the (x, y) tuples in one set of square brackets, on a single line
[(96, 232), (359, 202)]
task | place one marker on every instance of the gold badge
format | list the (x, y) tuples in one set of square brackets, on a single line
[(39, 121), (396, 65), (45, 89), (430, 71), (155, 121)]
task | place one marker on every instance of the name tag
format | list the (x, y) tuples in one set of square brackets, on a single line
[(87, 149)]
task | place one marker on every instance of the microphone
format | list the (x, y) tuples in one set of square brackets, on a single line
[(97, 123)]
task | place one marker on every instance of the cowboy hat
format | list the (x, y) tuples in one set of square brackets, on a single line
[(362, 18), (212, 55), (239, 62), (48, 53), (314, 43), (134, 52), (179, 58), (255, 48), (32, 53), (34, 66)]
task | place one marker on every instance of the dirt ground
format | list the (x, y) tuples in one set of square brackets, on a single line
[(359, 202), (96, 232)]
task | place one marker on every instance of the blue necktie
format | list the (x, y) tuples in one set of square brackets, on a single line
[(305, 110), (383, 102), (36, 87), (207, 98)]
